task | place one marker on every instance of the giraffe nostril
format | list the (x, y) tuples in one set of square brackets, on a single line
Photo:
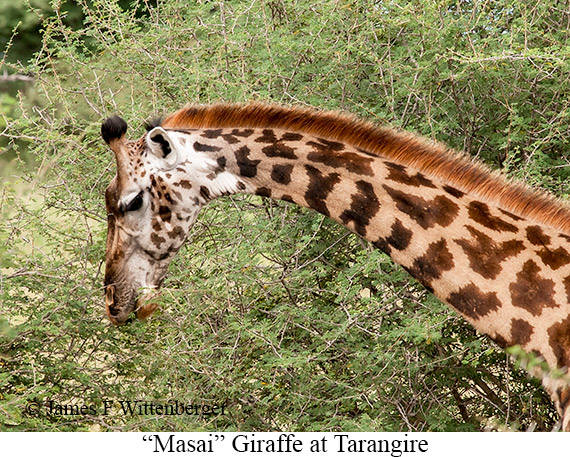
[(110, 300), (110, 293)]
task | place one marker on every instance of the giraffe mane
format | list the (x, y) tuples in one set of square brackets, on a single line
[(431, 158)]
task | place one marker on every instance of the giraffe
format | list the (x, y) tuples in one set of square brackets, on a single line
[(495, 251)]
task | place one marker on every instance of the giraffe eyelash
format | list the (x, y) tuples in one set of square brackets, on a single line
[(135, 204)]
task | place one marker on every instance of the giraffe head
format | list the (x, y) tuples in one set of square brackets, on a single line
[(151, 206)]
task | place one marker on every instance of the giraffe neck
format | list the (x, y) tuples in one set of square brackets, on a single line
[(508, 275)]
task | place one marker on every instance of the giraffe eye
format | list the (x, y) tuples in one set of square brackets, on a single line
[(135, 204)]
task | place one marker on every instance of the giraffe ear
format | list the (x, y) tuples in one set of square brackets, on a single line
[(162, 147)]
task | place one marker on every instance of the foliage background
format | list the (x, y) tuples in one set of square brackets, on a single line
[(274, 311)]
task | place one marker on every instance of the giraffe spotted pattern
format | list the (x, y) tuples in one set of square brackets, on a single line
[(497, 253)]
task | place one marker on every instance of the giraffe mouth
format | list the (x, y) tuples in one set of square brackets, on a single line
[(145, 306), (115, 312)]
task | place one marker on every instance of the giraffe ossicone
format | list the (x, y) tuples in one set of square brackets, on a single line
[(495, 251)]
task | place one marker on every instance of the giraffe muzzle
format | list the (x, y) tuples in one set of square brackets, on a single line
[(119, 315)]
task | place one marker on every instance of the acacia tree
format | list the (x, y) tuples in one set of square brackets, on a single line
[(277, 313)]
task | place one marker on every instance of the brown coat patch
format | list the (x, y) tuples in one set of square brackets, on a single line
[(554, 258), (427, 213), (247, 167), (282, 173), (433, 263), (473, 303), (398, 173), (399, 238), (157, 240), (485, 255), (212, 133), (351, 161), (201, 147), (521, 332), (536, 236), (320, 186), (531, 291), (479, 212), (263, 191), (363, 207), (279, 150), (559, 335), (184, 183), (453, 191), (165, 213)]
